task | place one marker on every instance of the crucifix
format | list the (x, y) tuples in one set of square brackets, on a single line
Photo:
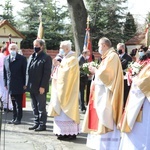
[(4, 30)]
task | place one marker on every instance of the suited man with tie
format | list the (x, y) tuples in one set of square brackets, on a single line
[(38, 75), (14, 80), (125, 60)]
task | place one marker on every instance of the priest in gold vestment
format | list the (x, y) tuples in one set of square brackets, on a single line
[(135, 121), (64, 105), (106, 101)]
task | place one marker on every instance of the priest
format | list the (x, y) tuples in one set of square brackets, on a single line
[(135, 120), (64, 105), (106, 101)]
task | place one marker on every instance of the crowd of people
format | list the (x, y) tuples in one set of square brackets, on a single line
[(117, 104)]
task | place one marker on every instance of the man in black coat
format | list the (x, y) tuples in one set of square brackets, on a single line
[(14, 80), (38, 75), (83, 77), (125, 60)]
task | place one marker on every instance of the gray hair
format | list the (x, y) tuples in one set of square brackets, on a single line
[(11, 45), (41, 42), (106, 41), (67, 44), (121, 45)]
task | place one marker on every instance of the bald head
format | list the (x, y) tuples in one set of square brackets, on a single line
[(104, 44), (106, 41)]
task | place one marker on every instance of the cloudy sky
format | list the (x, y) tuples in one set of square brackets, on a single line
[(137, 7)]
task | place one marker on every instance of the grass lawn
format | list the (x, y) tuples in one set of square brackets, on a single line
[(48, 94)]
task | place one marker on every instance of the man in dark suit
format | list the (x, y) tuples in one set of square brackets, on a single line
[(125, 60), (38, 75), (83, 77), (14, 80)]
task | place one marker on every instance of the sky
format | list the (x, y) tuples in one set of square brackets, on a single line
[(139, 8)]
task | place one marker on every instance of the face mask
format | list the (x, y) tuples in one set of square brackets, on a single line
[(61, 52), (87, 57), (37, 49), (141, 54), (120, 51), (13, 53), (100, 51)]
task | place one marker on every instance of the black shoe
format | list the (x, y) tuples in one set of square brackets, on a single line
[(7, 110), (17, 122), (33, 127), (11, 122), (62, 137), (72, 137), (40, 128), (83, 109)]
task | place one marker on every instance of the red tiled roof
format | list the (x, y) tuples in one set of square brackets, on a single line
[(5, 22), (138, 39)]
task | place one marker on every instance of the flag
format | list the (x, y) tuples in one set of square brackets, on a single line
[(40, 30), (7, 45), (88, 43)]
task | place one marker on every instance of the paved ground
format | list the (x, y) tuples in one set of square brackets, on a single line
[(18, 137)]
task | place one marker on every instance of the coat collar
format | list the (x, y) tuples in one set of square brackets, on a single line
[(16, 58), (35, 56)]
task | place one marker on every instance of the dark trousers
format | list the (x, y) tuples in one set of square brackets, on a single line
[(83, 83), (88, 91), (126, 91), (38, 102), (17, 106)]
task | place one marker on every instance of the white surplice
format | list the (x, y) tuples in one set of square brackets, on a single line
[(139, 137), (63, 125), (109, 140)]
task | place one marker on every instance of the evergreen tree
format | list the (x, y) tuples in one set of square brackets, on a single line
[(8, 12), (147, 24), (53, 18), (107, 20), (148, 17), (130, 27)]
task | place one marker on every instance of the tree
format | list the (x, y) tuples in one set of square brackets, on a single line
[(148, 17), (29, 14), (130, 27), (53, 18), (107, 20), (148, 26), (78, 15), (8, 12)]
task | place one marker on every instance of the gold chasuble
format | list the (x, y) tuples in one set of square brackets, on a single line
[(106, 101), (68, 87), (143, 81), (133, 109)]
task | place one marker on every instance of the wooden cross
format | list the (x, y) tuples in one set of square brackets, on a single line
[(4, 30)]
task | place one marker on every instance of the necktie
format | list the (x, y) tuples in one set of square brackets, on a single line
[(12, 59)]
